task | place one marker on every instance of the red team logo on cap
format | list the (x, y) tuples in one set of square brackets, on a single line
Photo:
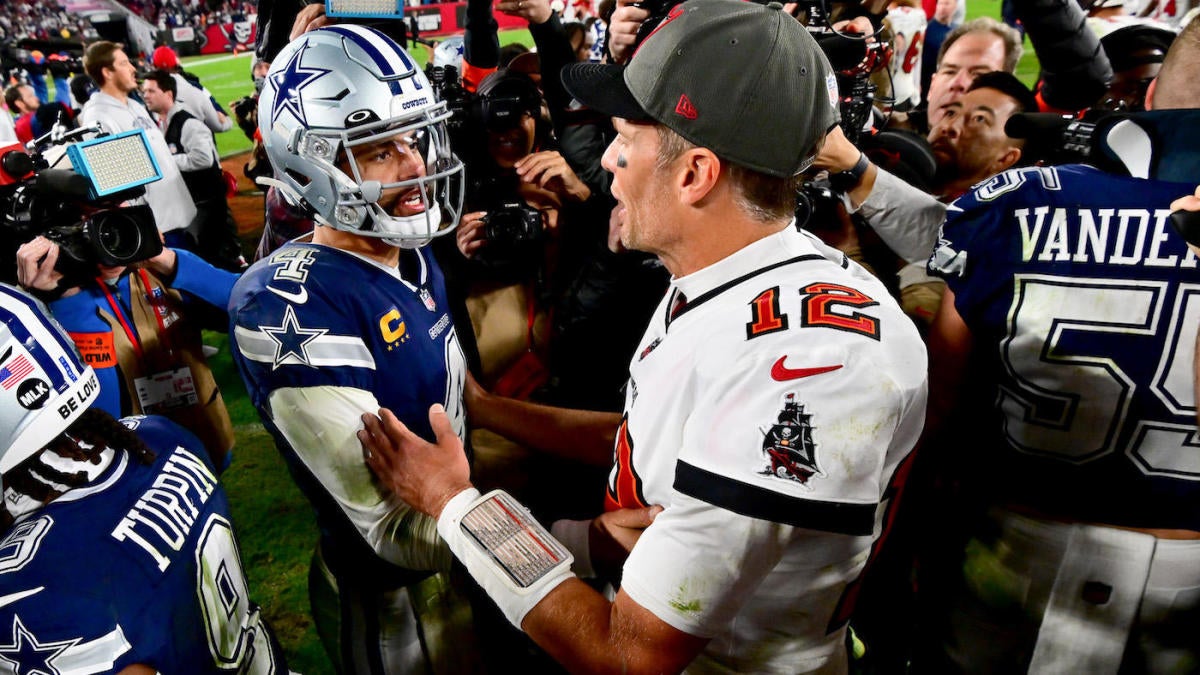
[(685, 108)]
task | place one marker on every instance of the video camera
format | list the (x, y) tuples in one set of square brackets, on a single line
[(82, 208)]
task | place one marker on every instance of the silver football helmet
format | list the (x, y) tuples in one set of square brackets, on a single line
[(331, 94), (44, 385)]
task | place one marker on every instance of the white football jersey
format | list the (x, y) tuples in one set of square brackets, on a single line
[(768, 414)]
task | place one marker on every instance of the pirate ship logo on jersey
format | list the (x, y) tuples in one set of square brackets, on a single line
[(788, 445)]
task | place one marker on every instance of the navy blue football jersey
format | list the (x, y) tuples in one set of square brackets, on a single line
[(350, 336), (1084, 322), (139, 566)]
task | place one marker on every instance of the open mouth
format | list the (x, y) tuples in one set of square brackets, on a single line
[(408, 203)]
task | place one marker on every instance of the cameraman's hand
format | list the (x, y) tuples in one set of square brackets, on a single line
[(469, 235), (549, 170), (837, 153), (164, 265), (533, 11), (311, 17), (35, 266), (860, 25), (623, 29)]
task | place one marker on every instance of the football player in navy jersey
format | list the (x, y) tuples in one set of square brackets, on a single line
[(1073, 305), (117, 553), (354, 318)]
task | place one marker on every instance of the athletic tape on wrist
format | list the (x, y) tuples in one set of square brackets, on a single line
[(508, 553)]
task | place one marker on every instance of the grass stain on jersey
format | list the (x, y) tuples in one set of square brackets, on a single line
[(680, 604)]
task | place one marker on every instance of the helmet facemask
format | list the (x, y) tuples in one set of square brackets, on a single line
[(348, 100)]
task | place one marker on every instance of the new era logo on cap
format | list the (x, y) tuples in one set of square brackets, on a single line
[(685, 108)]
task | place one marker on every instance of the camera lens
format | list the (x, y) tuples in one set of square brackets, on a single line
[(117, 237)]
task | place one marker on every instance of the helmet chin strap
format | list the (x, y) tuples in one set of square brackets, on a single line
[(408, 225)]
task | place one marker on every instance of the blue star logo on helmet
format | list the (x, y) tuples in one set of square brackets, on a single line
[(289, 82)]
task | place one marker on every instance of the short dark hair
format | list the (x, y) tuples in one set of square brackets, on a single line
[(12, 95), (100, 55), (1010, 86), (165, 81)]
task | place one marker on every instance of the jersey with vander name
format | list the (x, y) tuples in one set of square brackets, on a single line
[(139, 566), (768, 413), (1086, 319), (316, 319)]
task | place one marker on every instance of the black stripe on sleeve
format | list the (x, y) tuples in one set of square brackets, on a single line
[(756, 502)]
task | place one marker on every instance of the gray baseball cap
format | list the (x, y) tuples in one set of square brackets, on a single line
[(742, 79)]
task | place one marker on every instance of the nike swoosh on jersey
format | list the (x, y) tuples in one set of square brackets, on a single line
[(782, 373), (297, 298), (13, 597)]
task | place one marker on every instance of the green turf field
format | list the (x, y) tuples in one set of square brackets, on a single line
[(274, 523)]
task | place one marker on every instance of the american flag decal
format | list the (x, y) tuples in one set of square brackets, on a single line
[(15, 371)]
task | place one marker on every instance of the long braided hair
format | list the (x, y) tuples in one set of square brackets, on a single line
[(94, 432)]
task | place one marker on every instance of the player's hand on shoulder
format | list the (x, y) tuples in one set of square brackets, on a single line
[(613, 534), (423, 474)]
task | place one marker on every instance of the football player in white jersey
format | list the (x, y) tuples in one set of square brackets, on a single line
[(776, 392)]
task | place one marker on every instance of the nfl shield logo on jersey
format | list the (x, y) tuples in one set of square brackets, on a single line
[(427, 298), (788, 445)]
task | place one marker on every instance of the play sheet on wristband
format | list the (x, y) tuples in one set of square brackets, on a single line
[(513, 539)]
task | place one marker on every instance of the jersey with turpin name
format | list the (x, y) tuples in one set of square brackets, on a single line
[(139, 566), (316, 316), (1083, 305), (768, 413)]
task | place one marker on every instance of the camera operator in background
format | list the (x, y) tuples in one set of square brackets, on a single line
[(194, 152), (599, 297), (34, 117), (245, 114), (109, 67), (139, 327), (1070, 303)]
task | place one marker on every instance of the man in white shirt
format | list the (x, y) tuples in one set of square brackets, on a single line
[(109, 67)]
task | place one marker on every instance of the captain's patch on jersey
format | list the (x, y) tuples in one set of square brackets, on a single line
[(788, 447)]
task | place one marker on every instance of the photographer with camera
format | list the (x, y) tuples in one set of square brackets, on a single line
[(139, 327), (1064, 352), (110, 68)]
